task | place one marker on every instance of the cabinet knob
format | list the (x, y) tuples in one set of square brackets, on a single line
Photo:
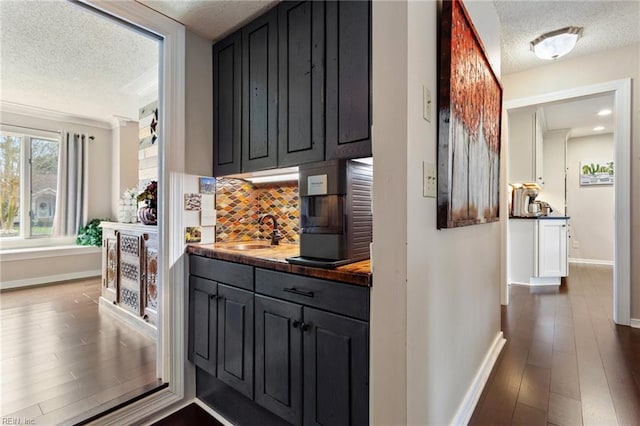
[(304, 326), (295, 324)]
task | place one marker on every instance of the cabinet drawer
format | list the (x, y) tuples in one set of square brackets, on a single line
[(220, 271), (336, 297)]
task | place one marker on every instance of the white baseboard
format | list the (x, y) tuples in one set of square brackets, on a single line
[(468, 404), (540, 281), (634, 322), (28, 282), (127, 317), (591, 261), (214, 413)]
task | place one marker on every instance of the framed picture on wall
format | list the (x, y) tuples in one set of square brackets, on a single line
[(596, 173), (469, 118)]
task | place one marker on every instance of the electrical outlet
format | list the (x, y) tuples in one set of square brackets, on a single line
[(575, 244), (426, 103), (429, 187)]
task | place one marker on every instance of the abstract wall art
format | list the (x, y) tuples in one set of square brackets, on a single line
[(469, 109)]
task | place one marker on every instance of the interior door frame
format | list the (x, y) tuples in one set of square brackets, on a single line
[(171, 347), (621, 90)]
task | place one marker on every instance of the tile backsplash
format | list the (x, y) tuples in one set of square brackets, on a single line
[(239, 205)]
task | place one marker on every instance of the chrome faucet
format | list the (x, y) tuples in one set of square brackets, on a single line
[(275, 235)]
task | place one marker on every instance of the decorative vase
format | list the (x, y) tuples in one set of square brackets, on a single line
[(148, 214)]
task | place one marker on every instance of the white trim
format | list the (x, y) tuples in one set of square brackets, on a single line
[(542, 281), (49, 114), (591, 261), (634, 322), (47, 252), (171, 309), (176, 408), (28, 282), (622, 144), (471, 398), (134, 321), (214, 413)]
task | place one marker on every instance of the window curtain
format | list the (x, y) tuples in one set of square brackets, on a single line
[(71, 197)]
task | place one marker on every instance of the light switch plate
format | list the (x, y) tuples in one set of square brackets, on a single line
[(426, 103), (429, 180)]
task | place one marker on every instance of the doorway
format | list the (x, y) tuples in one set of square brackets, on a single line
[(89, 96), (621, 91)]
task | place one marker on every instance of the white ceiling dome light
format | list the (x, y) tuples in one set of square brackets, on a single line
[(554, 44)]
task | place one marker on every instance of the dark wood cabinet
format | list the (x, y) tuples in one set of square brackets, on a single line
[(348, 70), (294, 86), (301, 82), (235, 338), (336, 369), (278, 359), (227, 105), (306, 340), (260, 93), (203, 314)]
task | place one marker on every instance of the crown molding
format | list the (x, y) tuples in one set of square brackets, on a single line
[(49, 114)]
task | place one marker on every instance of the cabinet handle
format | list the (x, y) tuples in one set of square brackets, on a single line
[(304, 326), (299, 292), (295, 324)]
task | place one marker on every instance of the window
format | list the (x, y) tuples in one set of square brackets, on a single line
[(28, 183)]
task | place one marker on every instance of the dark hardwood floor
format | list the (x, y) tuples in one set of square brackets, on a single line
[(61, 357), (565, 361), (190, 415)]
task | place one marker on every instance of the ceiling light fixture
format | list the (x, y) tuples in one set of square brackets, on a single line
[(555, 44), (604, 112), (598, 128)]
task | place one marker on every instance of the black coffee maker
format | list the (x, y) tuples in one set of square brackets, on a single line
[(335, 213)]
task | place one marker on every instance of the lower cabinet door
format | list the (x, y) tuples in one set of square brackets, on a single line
[(202, 323), (235, 338), (278, 357), (336, 369)]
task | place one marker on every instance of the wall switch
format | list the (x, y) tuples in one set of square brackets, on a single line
[(426, 103), (429, 186)]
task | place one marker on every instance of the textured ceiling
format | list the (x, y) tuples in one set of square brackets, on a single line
[(208, 18), (580, 115), (607, 25), (58, 56)]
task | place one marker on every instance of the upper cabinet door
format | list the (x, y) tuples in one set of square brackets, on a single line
[(301, 76), (227, 105), (260, 93), (348, 119)]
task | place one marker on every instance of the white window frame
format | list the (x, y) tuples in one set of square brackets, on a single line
[(25, 239)]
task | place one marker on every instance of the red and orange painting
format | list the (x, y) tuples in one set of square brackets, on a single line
[(469, 108)]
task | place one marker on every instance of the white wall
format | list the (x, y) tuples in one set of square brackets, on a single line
[(18, 269), (452, 293), (99, 156), (124, 161), (388, 326), (591, 207), (553, 190), (199, 108), (567, 73)]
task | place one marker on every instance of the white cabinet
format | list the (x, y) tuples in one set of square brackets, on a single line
[(552, 248), (526, 156), (537, 251)]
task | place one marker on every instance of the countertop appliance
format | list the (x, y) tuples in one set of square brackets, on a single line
[(524, 202), (335, 213)]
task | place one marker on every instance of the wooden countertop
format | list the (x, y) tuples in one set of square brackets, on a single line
[(274, 257)]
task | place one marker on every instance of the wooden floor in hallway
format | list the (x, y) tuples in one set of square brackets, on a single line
[(565, 361), (60, 356)]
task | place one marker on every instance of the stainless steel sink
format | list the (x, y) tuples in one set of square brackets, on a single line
[(243, 247)]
